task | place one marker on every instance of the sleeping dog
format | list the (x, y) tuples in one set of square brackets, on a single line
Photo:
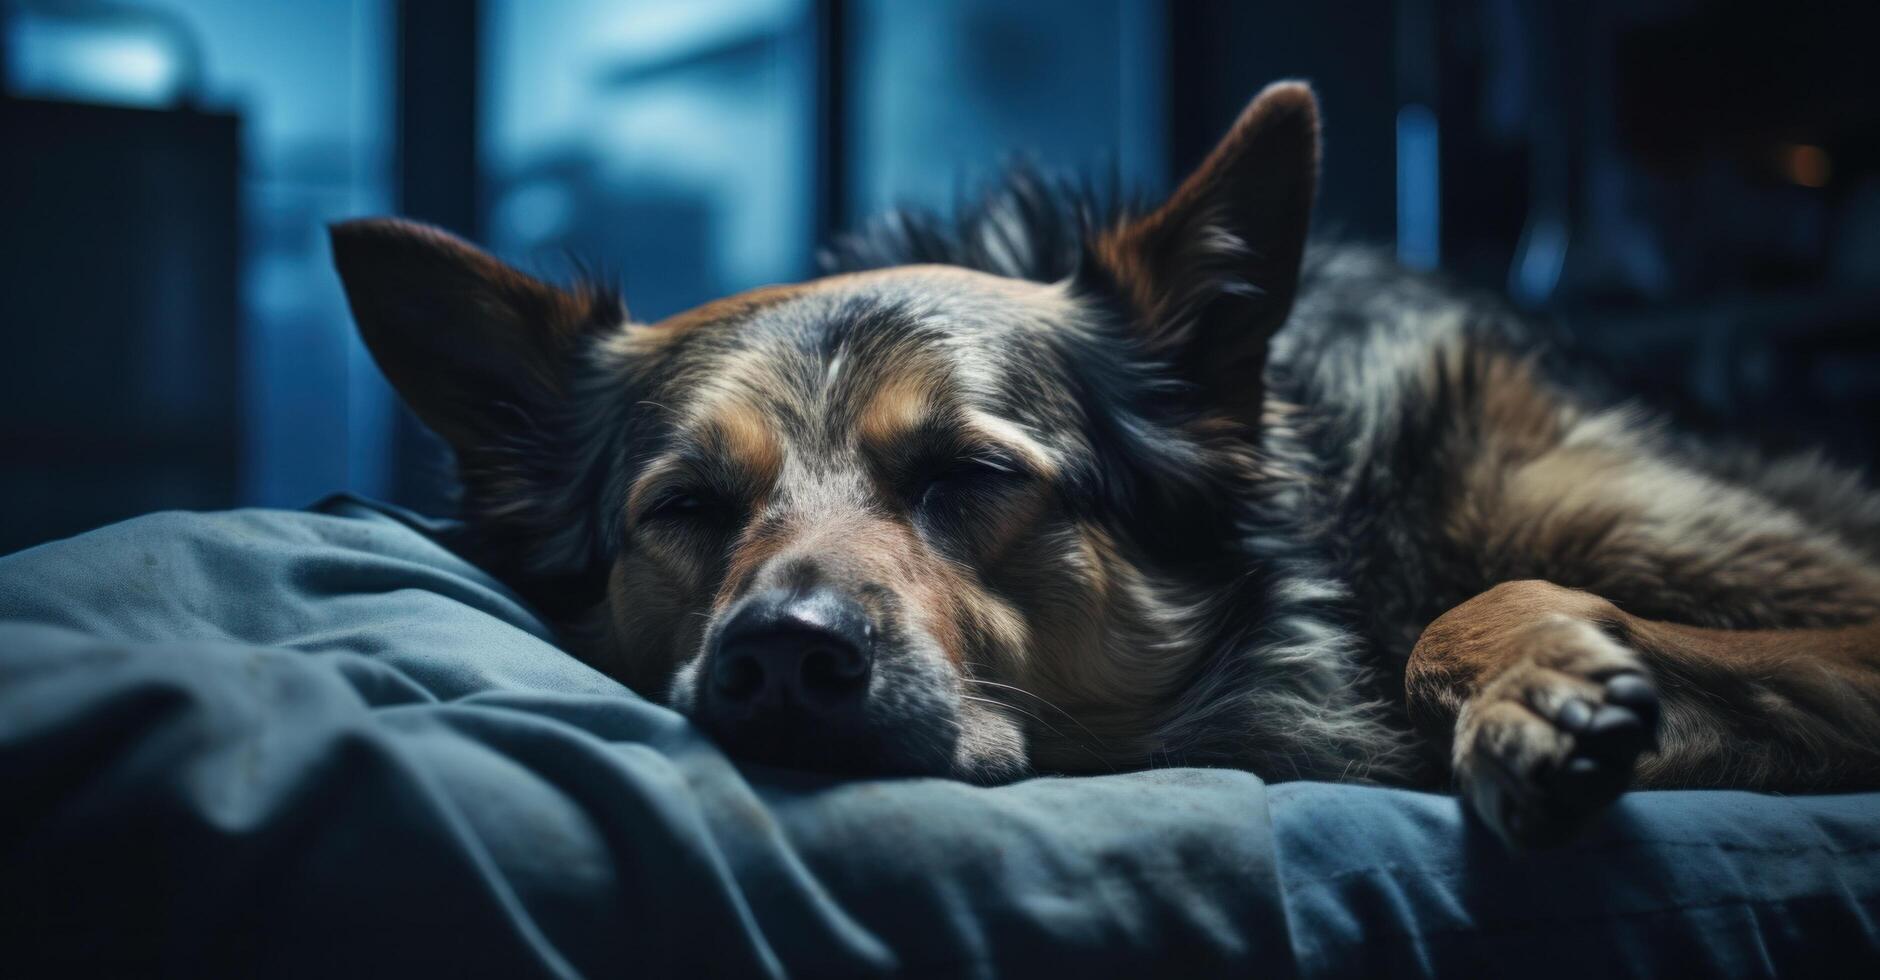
[(1055, 486)]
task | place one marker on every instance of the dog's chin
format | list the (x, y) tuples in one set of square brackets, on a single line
[(915, 723)]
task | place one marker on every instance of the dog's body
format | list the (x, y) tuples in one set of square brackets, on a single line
[(1054, 489), (1512, 541)]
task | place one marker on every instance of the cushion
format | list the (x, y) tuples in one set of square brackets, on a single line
[(322, 743)]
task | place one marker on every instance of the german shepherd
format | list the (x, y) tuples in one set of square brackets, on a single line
[(1056, 486)]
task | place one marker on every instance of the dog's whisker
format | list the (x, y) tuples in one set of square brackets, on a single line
[(1008, 705), (1041, 699), (1012, 707), (1094, 754)]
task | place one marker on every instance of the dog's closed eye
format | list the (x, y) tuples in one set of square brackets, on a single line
[(678, 502), (682, 504), (981, 473), (960, 498), (687, 519)]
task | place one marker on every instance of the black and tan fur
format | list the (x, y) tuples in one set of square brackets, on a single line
[(1119, 489)]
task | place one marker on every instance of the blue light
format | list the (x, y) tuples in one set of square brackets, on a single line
[(1538, 261), (59, 59), (1419, 195)]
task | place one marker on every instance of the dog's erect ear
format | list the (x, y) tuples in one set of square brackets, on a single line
[(468, 341), (1211, 273), (488, 358)]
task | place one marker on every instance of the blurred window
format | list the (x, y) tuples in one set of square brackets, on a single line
[(944, 95), (671, 145), (313, 85)]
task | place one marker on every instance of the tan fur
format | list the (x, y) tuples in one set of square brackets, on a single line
[(1760, 709), (749, 442), (899, 405), (1617, 554), (1108, 650), (1467, 646), (1791, 710), (1584, 500)]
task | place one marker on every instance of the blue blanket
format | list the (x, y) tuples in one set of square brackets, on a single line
[(323, 744)]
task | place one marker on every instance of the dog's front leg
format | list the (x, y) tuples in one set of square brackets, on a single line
[(1544, 705), (1550, 702)]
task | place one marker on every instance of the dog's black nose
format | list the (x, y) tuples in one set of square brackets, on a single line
[(794, 653)]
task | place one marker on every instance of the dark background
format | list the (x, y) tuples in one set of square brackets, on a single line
[(1691, 189)]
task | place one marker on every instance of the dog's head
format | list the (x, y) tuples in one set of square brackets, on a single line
[(921, 518)]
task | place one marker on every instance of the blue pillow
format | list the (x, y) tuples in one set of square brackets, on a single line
[(323, 744)]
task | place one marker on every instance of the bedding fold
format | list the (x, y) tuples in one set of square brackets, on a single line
[(324, 744)]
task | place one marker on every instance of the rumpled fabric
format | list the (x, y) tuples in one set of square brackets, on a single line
[(322, 743)]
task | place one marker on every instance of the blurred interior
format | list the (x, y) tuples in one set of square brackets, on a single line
[(1691, 189)]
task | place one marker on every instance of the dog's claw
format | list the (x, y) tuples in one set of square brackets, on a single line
[(1612, 725), (1635, 692), (1575, 715)]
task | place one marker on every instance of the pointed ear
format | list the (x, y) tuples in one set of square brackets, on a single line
[(475, 347), (1210, 275)]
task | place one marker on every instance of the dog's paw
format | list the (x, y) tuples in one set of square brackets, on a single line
[(1555, 736)]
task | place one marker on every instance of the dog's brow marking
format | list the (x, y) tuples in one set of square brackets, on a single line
[(901, 403), (749, 440)]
